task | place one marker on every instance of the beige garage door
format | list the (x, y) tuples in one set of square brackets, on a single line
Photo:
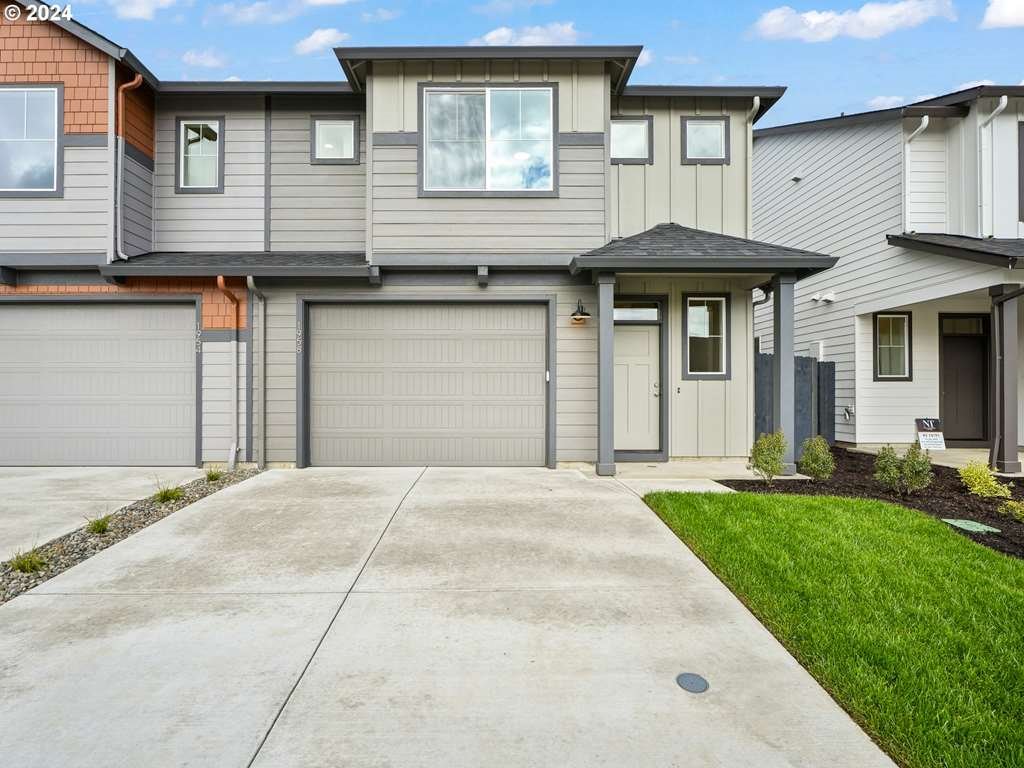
[(97, 384), (440, 384)]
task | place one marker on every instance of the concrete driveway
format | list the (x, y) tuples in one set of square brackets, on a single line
[(42, 503), (406, 617)]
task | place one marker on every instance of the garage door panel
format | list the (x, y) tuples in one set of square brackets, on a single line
[(97, 384), (460, 384)]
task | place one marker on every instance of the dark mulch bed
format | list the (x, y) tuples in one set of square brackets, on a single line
[(72, 548), (946, 497)]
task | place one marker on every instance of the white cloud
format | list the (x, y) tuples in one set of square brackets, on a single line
[(689, 59), (380, 14), (320, 40), (233, 79), (208, 59), (645, 58), (871, 20), (973, 84), (138, 9), (1003, 13), (500, 7), (555, 33), (329, 2), (886, 102), (259, 12)]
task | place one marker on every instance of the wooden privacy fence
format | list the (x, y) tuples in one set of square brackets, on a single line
[(815, 390)]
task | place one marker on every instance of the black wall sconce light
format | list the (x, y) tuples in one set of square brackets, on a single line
[(580, 316)]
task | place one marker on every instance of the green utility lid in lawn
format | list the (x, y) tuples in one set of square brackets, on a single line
[(970, 525)]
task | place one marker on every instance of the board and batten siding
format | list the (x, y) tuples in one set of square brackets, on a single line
[(849, 198), (401, 222), (575, 371), (709, 197), (233, 220), (78, 222), (137, 199), (314, 207)]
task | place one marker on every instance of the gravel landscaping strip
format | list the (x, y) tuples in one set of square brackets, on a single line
[(72, 548)]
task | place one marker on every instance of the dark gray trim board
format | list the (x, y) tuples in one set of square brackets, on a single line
[(136, 155), (227, 334), (313, 159), (686, 376), (663, 372), (139, 298), (605, 374), (53, 260), (396, 138), (420, 161), (179, 165), (86, 140), (649, 160), (1020, 171), (684, 157), (910, 346), (302, 342), (61, 139), (581, 139)]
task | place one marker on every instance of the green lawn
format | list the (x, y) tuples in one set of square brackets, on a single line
[(916, 631)]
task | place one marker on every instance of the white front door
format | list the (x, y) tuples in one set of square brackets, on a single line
[(637, 387)]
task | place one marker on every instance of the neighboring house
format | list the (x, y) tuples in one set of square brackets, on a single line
[(452, 256), (924, 207)]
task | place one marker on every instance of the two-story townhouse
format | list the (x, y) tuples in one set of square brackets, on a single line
[(462, 256), (924, 207)]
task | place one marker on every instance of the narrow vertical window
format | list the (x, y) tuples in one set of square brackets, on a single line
[(200, 156), (892, 347), (706, 337)]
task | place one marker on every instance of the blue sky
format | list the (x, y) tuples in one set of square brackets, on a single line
[(835, 56)]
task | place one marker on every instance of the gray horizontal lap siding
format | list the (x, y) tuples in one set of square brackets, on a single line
[(232, 221), (79, 221), (137, 199), (217, 400), (313, 207), (404, 222)]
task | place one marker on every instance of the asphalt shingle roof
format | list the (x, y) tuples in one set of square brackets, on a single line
[(1000, 252)]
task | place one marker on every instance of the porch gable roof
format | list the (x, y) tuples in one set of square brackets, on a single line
[(675, 248), (999, 252)]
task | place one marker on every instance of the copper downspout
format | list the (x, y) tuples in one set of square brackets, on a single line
[(119, 138), (233, 454)]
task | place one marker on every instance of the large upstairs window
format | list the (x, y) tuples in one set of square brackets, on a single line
[(488, 140), (30, 138)]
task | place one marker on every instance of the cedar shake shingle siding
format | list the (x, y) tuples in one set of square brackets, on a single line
[(39, 52), (139, 114)]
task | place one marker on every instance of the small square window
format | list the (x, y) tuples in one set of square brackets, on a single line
[(200, 155), (632, 140), (705, 140), (334, 140), (892, 343), (706, 337)]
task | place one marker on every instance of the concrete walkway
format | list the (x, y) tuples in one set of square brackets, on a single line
[(42, 503), (370, 617)]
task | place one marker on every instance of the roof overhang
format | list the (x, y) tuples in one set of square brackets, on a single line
[(769, 94), (254, 87), (257, 264), (878, 116), (622, 58), (994, 252), (799, 266), (978, 92)]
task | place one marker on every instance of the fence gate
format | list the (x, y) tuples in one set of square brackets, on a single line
[(815, 394)]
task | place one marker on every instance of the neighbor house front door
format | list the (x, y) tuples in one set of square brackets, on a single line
[(637, 387), (964, 380)]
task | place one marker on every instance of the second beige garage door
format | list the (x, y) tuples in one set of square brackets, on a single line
[(433, 384)]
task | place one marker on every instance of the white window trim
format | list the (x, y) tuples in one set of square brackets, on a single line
[(877, 347), (723, 372), (58, 121), (487, 190), (180, 185)]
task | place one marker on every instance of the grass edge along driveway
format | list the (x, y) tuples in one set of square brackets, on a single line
[(917, 632)]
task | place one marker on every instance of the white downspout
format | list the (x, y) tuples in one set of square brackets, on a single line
[(751, 115), (906, 170), (119, 181), (1003, 101), (251, 283)]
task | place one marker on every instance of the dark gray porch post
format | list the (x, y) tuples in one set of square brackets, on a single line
[(1005, 454), (783, 376), (605, 375)]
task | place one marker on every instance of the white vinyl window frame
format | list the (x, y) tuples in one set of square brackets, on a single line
[(724, 370), (57, 188), (486, 89), (180, 187), (315, 122), (877, 346)]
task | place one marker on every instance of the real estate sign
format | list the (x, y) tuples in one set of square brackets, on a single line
[(929, 434)]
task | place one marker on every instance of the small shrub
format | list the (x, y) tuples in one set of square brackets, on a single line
[(213, 475), (981, 481), (817, 460), (1014, 509), (766, 456), (906, 474), (28, 562), (164, 494), (98, 525)]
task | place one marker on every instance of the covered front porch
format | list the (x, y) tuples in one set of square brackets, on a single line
[(676, 346)]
